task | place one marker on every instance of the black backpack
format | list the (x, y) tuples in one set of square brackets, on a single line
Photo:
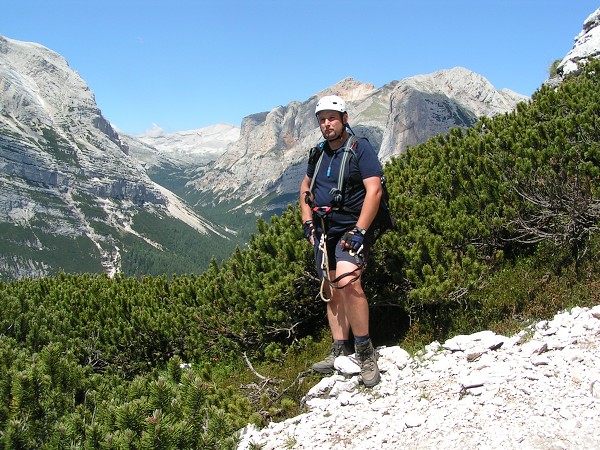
[(383, 220)]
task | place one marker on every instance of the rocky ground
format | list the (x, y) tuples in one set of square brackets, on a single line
[(539, 389)]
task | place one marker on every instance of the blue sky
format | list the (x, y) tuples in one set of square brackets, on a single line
[(186, 64)]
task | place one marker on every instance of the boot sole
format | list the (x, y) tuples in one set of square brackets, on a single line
[(373, 382), (323, 371)]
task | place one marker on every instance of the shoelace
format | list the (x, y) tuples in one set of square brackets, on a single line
[(337, 351), (366, 357)]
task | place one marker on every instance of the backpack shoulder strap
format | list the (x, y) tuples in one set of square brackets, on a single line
[(316, 152), (348, 153)]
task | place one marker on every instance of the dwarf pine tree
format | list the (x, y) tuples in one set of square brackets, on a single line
[(557, 171), (89, 362), (466, 201)]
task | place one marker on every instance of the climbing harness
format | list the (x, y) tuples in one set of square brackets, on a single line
[(326, 281), (337, 193), (316, 157)]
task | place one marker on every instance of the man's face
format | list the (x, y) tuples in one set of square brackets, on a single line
[(331, 123)]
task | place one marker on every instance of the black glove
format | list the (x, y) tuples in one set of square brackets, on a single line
[(308, 229), (354, 239)]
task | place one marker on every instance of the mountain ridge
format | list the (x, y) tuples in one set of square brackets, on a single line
[(73, 184), (69, 184), (273, 146)]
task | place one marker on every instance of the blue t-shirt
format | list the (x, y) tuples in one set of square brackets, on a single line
[(364, 163)]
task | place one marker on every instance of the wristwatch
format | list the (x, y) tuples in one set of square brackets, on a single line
[(360, 230)]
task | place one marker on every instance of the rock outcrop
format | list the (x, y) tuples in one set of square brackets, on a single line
[(270, 156), (539, 389), (68, 181), (586, 47)]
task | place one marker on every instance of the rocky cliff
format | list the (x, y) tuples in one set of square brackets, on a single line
[(426, 105), (68, 182), (270, 156), (586, 47)]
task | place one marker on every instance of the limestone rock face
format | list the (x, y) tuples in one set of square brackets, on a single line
[(586, 47), (270, 156), (52, 130), (64, 169), (426, 105)]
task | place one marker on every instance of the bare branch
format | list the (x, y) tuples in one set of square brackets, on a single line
[(279, 330), (561, 209), (249, 364)]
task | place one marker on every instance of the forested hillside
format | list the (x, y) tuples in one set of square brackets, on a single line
[(495, 225)]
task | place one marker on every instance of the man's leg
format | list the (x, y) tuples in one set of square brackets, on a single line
[(336, 314), (340, 331), (353, 299), (356, 309)]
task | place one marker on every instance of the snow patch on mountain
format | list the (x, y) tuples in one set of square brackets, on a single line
[(192, 147)]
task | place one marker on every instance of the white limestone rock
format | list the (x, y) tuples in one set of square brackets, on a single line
[(516, 396), (587, 45)]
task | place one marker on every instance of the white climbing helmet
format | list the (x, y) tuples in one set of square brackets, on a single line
[(331, 103)]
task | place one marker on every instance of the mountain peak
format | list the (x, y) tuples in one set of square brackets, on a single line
[(587, 45), (68, 179), (349, 89)]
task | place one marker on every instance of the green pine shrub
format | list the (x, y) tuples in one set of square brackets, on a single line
[(496, 226), (470, 203)]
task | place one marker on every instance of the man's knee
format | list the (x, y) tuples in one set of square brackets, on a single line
[(350, 287)]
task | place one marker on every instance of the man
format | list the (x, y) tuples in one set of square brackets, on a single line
[(345, 221)]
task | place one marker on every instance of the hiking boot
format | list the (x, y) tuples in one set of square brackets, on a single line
[(367, 360), (327, 366)]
